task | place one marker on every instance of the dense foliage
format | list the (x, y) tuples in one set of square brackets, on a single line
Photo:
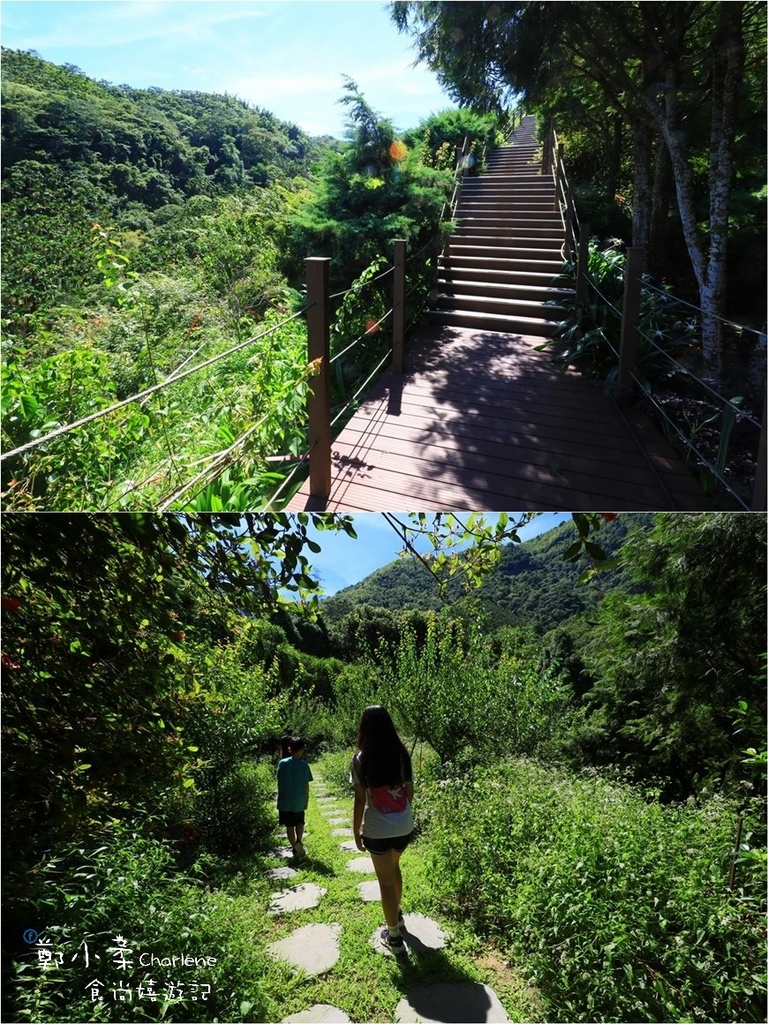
[(147, 232), (618, 908)]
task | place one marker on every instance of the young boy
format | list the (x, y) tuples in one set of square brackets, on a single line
[(293, 778)]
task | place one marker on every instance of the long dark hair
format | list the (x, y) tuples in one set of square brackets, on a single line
[(382, 758)]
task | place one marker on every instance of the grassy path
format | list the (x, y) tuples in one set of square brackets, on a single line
[(365, 984)]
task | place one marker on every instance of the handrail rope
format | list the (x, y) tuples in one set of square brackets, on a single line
[(160, 471), (359, 287), (288, 479), (648, 460), (743, 414), (689, 444), (163, 466), (698, 309), (607, 301), (726, 401), (432, 241), (181, 365), (370, 331), (362, 387), (410, 291), (219, 464), (147, 391)]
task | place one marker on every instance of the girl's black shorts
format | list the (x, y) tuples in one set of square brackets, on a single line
[(398, 843)]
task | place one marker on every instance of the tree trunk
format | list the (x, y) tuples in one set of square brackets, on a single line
[(727, 66), (661, 200), (641, 195), (708, 265)]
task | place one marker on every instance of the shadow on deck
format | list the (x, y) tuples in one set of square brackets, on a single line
[(482, 421)]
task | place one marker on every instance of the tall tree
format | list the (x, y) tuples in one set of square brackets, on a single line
[(673, 662), (98, 685)]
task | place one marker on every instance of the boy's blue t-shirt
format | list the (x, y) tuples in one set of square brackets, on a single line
[(293, 774)]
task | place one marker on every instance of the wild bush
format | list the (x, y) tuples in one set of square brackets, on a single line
[(618, 907), (111, 899)]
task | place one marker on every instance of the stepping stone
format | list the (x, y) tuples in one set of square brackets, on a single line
[(320, 1013), (338, 821), (298, 897), (363, 865), (325, 796), (281, 851), (284, 872), (342, 832), (349, 847), (451, 1002), (420, 935), (369, 892), (313, 949)]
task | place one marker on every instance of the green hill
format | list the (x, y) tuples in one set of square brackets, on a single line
[(531, 587)]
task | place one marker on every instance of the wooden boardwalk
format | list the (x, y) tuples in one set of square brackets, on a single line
[(481, 421)]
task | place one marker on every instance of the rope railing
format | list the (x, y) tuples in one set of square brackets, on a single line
[(212, 472), (367, 334), (288, 480), (361, 389), (139, 396), (698, 309), (213, 464), (576, 249), (690, 445)]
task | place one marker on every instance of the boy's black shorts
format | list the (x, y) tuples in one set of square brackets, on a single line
[(291, 817)]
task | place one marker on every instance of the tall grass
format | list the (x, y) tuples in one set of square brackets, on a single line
[(618, 908)]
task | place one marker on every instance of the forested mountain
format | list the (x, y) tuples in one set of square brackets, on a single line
[(150, 147), (532, 586), (147, 231), (77, 151)]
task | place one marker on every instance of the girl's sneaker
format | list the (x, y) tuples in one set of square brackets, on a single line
[(392, 942)]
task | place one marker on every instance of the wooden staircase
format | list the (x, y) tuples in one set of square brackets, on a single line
[(505, 258)]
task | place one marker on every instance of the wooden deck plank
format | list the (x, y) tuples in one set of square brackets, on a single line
[(483, 421)]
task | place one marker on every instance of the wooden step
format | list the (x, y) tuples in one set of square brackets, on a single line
[(492, 322), (493, 273), (537, 281), (514, 248), (508, 235), (455, 284), (500, 306)]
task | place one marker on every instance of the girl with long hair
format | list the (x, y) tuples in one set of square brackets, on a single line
[(382, 819)]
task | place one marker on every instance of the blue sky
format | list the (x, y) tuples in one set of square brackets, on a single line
[(283, 56), (344, 561)]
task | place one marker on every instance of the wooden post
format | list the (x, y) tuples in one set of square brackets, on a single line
[(630, 313), (319, 397), (581, 272), (759, 503), (398, 307)]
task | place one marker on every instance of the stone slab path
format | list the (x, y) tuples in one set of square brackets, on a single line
[(314, 949), (450, 1002)]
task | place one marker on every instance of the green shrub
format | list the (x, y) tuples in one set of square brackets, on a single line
[(121, 885), (335, 771), (618, 907), (238, 815)]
